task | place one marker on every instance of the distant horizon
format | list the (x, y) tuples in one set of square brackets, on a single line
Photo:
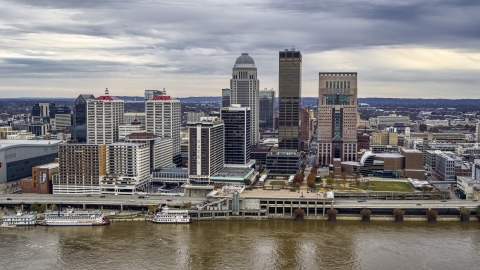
[(221, 96)]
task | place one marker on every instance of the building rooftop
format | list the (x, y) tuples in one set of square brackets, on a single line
[(16, 143), (411, 150), (141, 135), (162, 98), (48, 166), (232, 173), (389, 155), (106, 98), (244, 60)]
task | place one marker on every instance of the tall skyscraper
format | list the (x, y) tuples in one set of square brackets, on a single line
[(205, 148), (237, 134), (79, 129), (337, 117), (289, 94), (163, 118), (104, 115), (244, 87), (225, 97), (267, 109)]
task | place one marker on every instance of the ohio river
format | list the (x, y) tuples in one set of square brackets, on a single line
[(273, 244)]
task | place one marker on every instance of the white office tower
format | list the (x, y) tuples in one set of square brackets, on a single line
[(244, 87), (163, 118), (104, 116), (128, 168)]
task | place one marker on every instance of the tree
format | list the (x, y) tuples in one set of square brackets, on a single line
[(34, 207), (423, 127), (329, 181), (299, 213), (432, 215), (298, 178), (152, 208), (311, 180), (398, 212), (332, 212), (53, 207), (365, 212), (43, 207)]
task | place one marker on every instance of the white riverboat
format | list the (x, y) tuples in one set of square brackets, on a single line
[(20, 220), (168, 215), (70, 217)]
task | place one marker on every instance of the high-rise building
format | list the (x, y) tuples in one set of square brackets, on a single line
[(130, 117), (163, 118), (205, 148), (244, 87), (237, 134), (60, 117), (267, 109), (337, 117), (149, 94), (104, 115), (128, 168), (225, 97), (41, 112), (80, 168), (79, 130), (134, 127), (305, 131), (194, 116), (384, 138), (289, 95), (160, 148)]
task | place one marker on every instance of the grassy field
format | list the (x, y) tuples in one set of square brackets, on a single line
[(388, 186), (278, 183)]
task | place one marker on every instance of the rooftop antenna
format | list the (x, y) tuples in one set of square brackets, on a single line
[(293, 48), (106, 91)]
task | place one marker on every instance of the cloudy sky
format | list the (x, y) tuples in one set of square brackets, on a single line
[(408, 48)]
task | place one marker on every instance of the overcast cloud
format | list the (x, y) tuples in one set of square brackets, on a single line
[(409, 48)]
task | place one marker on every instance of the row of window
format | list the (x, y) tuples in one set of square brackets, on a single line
[(337, 84)]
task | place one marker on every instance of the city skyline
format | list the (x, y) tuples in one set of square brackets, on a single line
[(409, 49)]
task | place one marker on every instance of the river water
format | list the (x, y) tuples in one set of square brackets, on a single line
[(272, 244)]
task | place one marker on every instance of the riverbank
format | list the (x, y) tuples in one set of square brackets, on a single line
[(409, 218)]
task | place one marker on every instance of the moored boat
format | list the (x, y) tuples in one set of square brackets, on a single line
[(70, 217), (172, 216), (20, 220)]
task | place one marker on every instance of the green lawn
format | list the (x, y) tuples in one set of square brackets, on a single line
[(278, 183), (388, 186)]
